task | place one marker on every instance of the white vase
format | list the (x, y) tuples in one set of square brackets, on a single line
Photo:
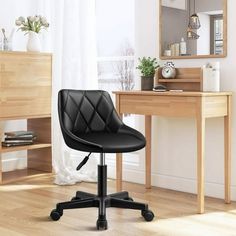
[(33, 44)]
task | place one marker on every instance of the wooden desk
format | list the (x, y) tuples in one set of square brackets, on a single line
[(199, 105)]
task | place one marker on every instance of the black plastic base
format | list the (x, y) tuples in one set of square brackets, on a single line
[(113, 200), (102, 201)]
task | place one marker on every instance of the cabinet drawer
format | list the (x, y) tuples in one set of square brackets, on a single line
[(25, 85)]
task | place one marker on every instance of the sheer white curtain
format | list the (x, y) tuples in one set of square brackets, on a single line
[(74, 66)]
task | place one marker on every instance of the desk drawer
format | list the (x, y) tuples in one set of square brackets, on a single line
[(159, 105)]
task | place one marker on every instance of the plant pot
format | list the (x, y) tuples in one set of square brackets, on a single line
[(33, 44), (147, 82)]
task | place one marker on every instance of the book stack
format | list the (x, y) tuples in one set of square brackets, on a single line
[(18, 138)]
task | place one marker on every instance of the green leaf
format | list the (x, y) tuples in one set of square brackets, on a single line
[(147, 66)]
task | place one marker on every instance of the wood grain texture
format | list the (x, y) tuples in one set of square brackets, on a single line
[(225, 28), (227, 149), (40, 159), (187, 79), (25, 85), (25, 93), (148, 150), (119, 172), (1, 174), (26, 205), (42, 127), (191, 57), (216, 106), (25, 147), (159, 105), (119, 158), (181, 94), (19, 175), (200, 155), (199, 105)]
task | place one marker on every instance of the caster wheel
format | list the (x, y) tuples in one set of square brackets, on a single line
[(101, 224), (129, 199), (55, 215), (147, 215)]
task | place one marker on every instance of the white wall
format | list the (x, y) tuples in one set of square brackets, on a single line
[(174, 139), (8, 13), (177, 4), (12, 9), (112, 27), (209, 5)]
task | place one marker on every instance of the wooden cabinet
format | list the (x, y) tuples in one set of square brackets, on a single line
[(25, 93)]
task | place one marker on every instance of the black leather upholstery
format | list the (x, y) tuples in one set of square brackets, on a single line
[(89, 122)]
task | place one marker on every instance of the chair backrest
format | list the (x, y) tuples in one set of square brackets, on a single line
[(84, 111)]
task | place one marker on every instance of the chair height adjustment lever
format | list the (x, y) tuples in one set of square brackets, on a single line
[(82, 163)]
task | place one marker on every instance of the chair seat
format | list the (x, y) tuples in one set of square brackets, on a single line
[(125, 140)]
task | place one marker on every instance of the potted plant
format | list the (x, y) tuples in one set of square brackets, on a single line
[(147, 67)]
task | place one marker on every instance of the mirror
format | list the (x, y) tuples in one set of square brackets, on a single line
[(193, 29)]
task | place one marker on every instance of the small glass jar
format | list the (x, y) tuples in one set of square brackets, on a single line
[(7, 44), (1, 44)]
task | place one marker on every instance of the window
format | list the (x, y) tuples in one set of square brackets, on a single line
[(217, 34), (115, 43)]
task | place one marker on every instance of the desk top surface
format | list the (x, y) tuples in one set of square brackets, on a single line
[(173, 93)]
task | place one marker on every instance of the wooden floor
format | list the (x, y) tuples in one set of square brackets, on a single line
[(25, 206)]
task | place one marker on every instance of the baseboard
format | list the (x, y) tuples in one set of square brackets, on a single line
[(14, 164), (158, 180), (174, 182)]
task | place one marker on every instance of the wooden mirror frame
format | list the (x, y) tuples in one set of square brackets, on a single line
[(162, 57)]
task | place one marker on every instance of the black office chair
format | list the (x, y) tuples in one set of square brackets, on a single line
[(90, 123)]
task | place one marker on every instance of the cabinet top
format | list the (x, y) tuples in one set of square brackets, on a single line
[(24, 53)]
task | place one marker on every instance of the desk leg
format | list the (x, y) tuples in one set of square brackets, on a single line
[(1, 173), (118, 172), (118, 155), (227, 147), (200, 162), (148, 132)]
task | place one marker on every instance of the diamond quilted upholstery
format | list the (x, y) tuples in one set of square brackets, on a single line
[(89, 122)]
